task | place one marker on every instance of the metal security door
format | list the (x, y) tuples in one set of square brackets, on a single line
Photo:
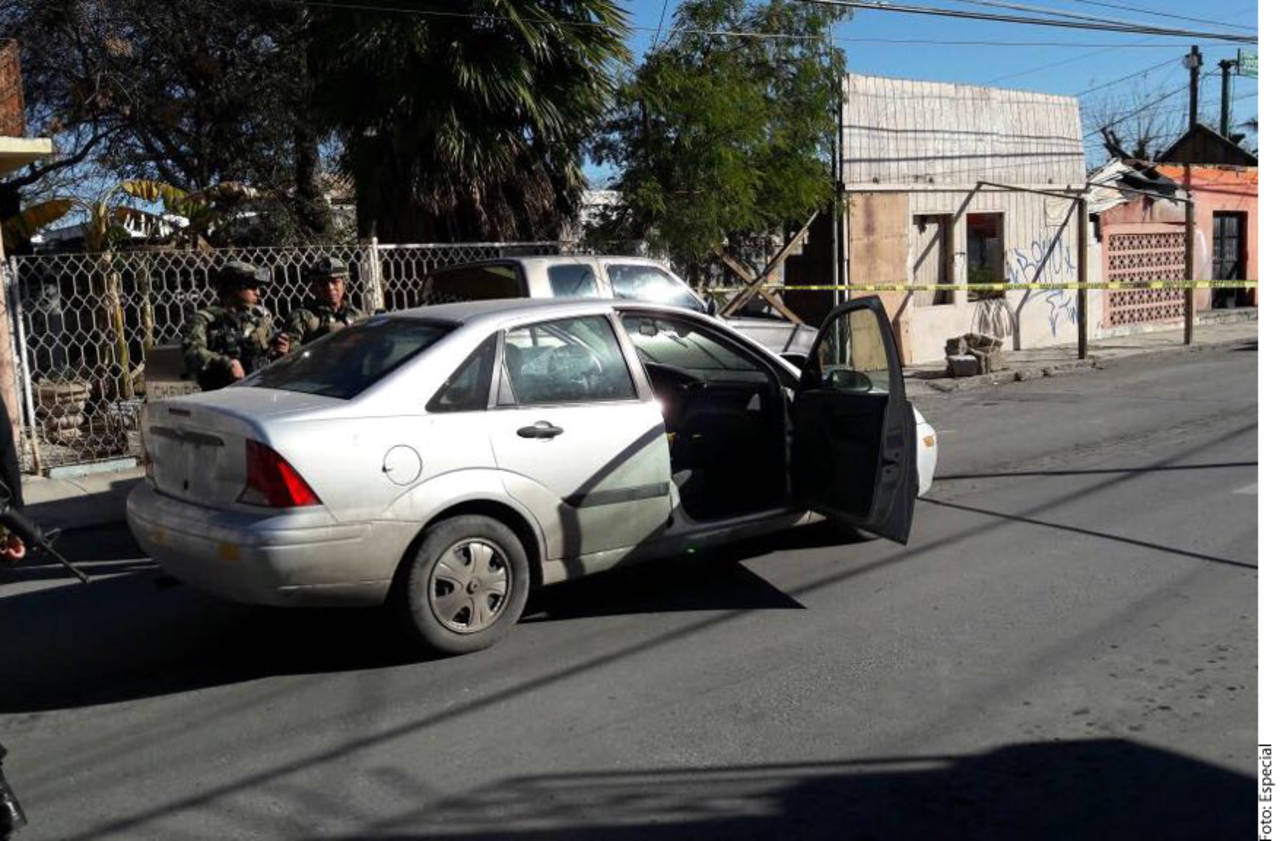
[(1228, 256)]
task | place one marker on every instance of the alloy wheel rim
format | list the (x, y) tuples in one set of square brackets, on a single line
[(469, 585)]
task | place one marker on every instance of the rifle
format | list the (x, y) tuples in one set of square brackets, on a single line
[(32, 535)]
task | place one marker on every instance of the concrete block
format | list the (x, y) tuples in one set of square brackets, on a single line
[(963, 366)]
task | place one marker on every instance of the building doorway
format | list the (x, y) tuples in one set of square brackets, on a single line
[(984, 250), (1229, 257)]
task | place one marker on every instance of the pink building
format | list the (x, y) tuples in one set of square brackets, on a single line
[(1140, 228)]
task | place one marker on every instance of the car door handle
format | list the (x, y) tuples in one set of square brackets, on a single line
[(541, 429)]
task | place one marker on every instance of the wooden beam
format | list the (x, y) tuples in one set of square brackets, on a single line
[(754, 284)]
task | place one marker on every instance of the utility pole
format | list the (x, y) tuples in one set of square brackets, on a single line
[(1224, 121), (1084, 233), (1192, 62)]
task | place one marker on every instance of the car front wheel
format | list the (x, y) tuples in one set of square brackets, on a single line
[(466, 586)]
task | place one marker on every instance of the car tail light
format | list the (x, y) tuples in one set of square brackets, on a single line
[(271, 481)]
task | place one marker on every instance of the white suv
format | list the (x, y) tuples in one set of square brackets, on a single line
[(586, 276)]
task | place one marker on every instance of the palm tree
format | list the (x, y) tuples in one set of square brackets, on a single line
[(466, 120)]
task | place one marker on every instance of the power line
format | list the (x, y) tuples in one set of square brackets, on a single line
[(1140, 109), (1040, 67), (1073, 44), (1047, 10), (1034, 21), (1165, 14), (661, 17), (1142, 72), (336, 4), (1106, 48)]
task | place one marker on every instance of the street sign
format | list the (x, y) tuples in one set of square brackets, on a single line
[(1246, 64)]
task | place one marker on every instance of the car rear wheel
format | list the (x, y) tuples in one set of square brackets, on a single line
[(466, 586)]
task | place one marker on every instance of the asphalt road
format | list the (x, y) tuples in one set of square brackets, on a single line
[(1066, 649)]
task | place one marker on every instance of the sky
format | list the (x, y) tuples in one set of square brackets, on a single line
[(1060, 61)]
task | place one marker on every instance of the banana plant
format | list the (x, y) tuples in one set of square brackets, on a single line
[(108, 214), (107, 219)]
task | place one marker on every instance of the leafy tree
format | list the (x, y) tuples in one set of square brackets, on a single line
[(189, 92), (466, 120), (721, 137)]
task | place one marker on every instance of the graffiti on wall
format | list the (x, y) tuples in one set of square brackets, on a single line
[(1046, 260)]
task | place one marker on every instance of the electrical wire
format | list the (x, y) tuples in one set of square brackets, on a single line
[(1142, 72), (661, 17), (874, 6), (1165, 14), (1047, 10), (936, 11)]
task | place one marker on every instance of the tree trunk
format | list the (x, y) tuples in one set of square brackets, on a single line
[(312, 210)]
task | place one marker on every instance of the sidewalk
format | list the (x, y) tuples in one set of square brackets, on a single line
[(93, 500), (1234, 327), (99, 498)]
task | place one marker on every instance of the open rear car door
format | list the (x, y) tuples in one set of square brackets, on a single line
[(854, 436)]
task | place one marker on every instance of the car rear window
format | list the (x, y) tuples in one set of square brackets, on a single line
[(473, 283), (345, 363)]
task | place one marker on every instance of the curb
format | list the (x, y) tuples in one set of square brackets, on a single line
[(952, 385)]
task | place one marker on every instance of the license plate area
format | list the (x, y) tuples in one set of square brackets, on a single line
[(186, 461)]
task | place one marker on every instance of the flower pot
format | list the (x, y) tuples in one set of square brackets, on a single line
[(60, 407)]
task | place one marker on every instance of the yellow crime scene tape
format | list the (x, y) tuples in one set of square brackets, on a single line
[(1031, 287)]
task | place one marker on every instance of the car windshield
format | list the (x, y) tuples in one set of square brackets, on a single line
[(345, 363)]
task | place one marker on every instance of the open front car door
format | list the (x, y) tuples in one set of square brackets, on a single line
[(854, 435)]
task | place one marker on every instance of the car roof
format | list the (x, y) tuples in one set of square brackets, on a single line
[(550, 259), (503, 309)]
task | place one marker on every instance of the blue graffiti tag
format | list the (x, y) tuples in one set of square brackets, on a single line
[(1046, 260)]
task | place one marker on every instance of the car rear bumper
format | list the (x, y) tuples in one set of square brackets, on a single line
[(274, 559)]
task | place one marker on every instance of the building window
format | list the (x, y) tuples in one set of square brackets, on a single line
[(932, 260), (984, 251)]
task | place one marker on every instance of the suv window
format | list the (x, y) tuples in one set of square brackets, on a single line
[(651, 285), (345, 363), (573, 280), (472, 283), (571, 360)]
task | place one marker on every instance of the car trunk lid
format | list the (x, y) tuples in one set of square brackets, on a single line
[(197, 446)]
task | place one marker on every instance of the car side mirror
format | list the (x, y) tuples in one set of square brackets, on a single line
[(711, 306)]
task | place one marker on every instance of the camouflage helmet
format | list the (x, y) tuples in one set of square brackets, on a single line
[(237, 274), (325, 268)]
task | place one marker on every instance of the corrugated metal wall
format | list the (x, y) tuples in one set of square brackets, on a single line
[(904, 132)]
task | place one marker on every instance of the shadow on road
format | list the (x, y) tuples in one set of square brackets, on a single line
[(1094, 471), (711, 580), (1097, 790), (1144, 544), (123, 637)]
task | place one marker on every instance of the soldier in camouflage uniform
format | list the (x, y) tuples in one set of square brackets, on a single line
[(327, 310), (227, 342)]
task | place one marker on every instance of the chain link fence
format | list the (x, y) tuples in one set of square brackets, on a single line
[(83, 323)]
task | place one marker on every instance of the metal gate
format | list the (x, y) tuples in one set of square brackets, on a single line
[(82, 323)]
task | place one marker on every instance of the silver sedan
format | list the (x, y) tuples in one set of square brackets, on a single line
[(445, 460)]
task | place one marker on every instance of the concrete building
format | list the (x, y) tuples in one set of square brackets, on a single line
[(937, 180), (1223, 180), (1140, 220)]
